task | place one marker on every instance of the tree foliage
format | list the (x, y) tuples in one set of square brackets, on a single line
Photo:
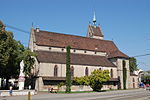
[(132, 64), (28, 61), (12, 52), (95, 80), (145, 78), (68, 72), (84, 80), (9, 51)]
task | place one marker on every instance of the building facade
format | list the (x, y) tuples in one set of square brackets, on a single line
[(87, 54)]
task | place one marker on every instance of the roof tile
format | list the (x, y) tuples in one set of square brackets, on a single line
[(76, 59)]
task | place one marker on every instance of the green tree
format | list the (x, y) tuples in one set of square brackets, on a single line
[(145, 78), (132, 64), (84, 80), (68, 73), (28, 61), (11, 54), (98, 78), (95, 80)]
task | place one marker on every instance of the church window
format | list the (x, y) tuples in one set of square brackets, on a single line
[(72, 71), (55, 71), (133, 80), (86, 71), (111, 73)]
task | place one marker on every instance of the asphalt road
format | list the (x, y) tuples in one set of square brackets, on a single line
[(137, 94)]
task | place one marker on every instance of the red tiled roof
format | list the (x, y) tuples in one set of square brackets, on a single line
[(76, 59), (45, 38), (117, 53), (96, 30)]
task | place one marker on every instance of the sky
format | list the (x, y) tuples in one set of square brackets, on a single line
[(126, 22)]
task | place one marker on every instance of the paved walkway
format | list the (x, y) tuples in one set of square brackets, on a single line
[(137, 94)]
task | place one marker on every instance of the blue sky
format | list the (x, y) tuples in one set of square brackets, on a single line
[(126, 22)]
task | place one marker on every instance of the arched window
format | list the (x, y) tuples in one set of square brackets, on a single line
[(72, 71), (55, 71), (111, 73), (133, 80), (86, 71), (100, 68)]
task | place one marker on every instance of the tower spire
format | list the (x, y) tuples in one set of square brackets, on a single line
[(94, 19)]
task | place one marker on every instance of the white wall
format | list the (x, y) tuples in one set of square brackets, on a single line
[(120, 71), (47, 69), (77, 51), (135, 83)]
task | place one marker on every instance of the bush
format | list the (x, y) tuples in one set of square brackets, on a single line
[(95, 80)]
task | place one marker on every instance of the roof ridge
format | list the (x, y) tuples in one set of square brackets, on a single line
[(76, 36)]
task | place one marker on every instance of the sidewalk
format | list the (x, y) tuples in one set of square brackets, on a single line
[(17, 92)]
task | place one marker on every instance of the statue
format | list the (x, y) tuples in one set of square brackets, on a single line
[(21, 76)]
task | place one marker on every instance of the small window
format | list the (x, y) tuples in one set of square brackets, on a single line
[(111, 73), (95, 52), (86, 71), (74, 50), (55, 71), (85, 51), (62, 49), (133, 80), (100, 68), (50, 48), (72, 71)]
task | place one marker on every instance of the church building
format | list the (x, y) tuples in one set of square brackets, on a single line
[(87, 54)]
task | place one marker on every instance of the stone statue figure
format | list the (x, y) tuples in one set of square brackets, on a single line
[(21, 68), (21, 76)]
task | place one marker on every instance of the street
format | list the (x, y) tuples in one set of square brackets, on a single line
[(137, 94)]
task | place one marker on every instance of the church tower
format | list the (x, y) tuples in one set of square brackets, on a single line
[(94, 31)]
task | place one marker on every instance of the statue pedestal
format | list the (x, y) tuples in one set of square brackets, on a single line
[(21, 82)]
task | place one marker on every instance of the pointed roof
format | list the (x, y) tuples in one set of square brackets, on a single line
[(96, 31), (117, 54), (94, 19), (52, 39)]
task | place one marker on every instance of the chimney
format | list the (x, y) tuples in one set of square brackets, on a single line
[(37, 29)]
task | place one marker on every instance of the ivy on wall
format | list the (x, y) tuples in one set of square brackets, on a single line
[(68, 73), (124, 74)]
